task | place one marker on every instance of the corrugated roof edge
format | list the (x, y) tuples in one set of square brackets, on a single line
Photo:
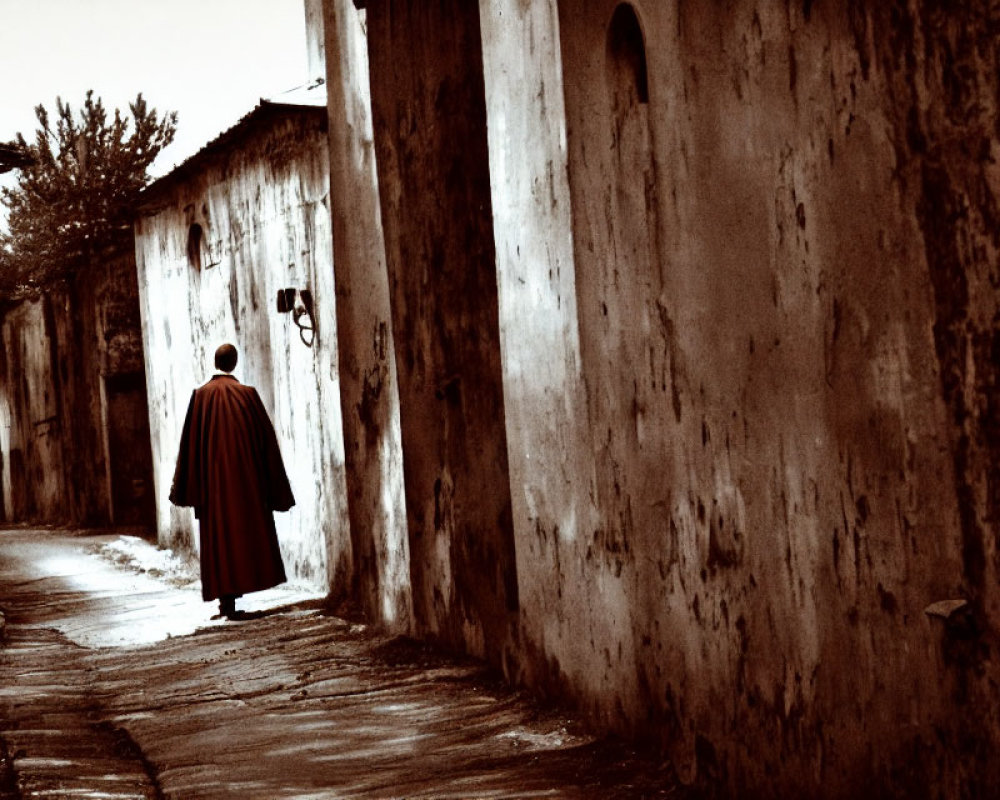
[(190, 165)]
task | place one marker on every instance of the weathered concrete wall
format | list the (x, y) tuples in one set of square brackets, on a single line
[(745, 264), (429, 121), (76, 444), (368, 385), (770, 453), (552, 476), (261, 201), (940, 65), (33, 475)]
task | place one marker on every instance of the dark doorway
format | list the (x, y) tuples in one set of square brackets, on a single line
[(129, 452)]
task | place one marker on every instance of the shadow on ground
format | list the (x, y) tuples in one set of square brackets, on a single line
[(290, 702)]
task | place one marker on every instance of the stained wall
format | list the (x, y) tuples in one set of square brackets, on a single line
[(744, 260), (33, 475), (369, 387), (215, 241), (74, 436), (769, 445), (440, 258)]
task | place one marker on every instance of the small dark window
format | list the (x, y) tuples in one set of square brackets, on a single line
[(194, 246), (627, 51)]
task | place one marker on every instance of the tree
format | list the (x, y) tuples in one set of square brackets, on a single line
[(74, 201), (12, 157)]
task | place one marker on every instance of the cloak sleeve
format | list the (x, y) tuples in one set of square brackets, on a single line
[(184, 490), (275, 480)]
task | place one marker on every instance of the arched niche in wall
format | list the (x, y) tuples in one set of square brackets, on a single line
[(632, 172), (630, 283), (627, 57), (613, 180), (200, 252)]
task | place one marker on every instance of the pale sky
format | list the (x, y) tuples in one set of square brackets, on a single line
[(209, 60)]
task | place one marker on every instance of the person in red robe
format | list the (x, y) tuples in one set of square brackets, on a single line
[(229, 469)]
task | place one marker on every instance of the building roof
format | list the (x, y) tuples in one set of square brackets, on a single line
[(308, 100)]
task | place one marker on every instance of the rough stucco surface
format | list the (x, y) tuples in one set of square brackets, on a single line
[(746, 264), (780, 486), (429, 121), (941, 65), (551, 474), (368, 382), (262, 204)]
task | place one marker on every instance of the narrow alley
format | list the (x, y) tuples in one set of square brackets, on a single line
[(641, 357), (118, 683)]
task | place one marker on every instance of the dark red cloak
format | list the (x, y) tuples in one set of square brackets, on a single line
[(230, 470)]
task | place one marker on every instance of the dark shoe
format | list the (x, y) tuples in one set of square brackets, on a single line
[(227, 606)]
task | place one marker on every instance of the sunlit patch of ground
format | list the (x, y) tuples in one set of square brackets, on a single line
[(135, 593)]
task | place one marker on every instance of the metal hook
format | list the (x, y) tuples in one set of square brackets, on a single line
[(305, 310)]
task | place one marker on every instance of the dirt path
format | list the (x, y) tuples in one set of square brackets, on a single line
[(116, 683)]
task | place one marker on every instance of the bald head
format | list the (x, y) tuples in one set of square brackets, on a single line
[(225, 358)]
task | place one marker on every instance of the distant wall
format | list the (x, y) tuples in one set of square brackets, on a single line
[(33, 474), (745, 261), (74, 435), (215, 242)]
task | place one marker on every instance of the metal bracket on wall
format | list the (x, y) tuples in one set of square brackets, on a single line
[(286, 304)]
